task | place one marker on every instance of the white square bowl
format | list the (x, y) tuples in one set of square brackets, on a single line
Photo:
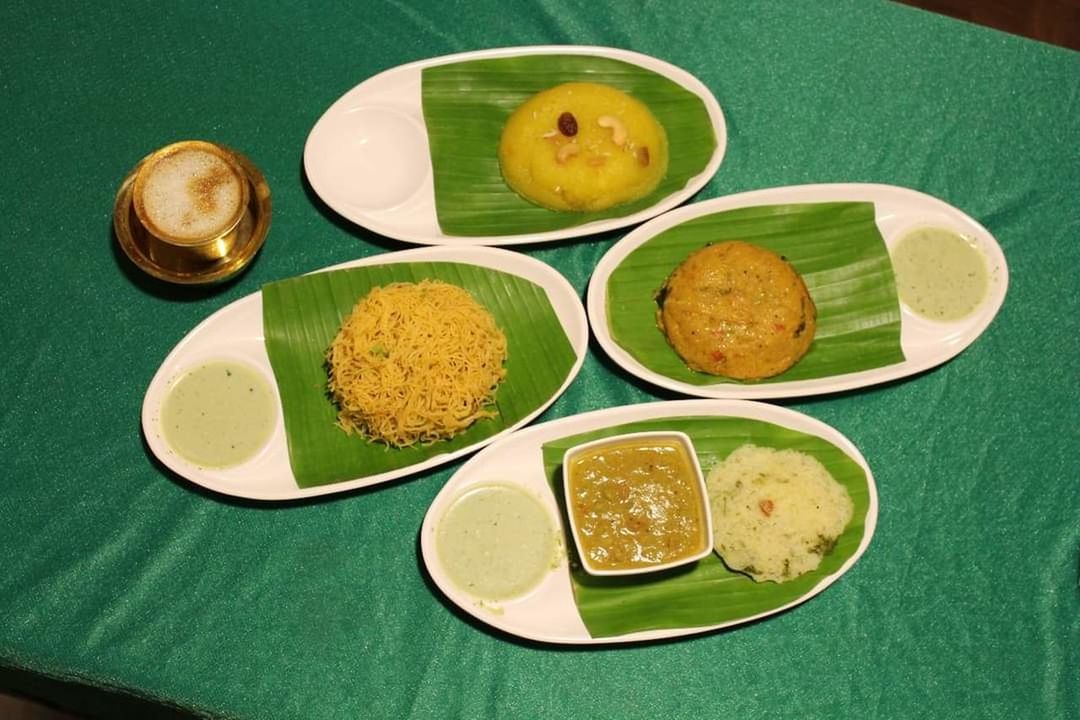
[(640, 438)]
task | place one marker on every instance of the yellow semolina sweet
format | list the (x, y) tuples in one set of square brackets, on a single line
[(583, 147)]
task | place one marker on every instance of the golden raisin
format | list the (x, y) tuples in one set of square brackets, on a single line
[(643, 156)]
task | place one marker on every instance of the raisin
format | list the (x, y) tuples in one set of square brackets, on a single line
[(568, 124)]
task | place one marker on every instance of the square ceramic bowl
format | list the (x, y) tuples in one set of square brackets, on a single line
[(637, 503)]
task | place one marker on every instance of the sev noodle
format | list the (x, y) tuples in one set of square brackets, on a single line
[(415, 363)]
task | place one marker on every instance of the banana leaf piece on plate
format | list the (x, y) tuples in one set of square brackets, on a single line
[(467, 103), (707, 593), (837, 249), (302, 315)]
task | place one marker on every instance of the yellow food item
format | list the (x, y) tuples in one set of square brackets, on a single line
[(415, 363), (776, 513), (583, 147), (636, 503), (737, 310)]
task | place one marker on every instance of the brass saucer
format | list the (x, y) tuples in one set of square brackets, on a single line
[(175, 264)]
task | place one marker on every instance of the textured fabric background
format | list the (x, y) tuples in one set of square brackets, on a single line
[(117, 574)]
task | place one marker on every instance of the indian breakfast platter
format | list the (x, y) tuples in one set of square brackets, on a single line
[(618, 525), (862, 284), (299, 389), (516, 145), (792, 502)]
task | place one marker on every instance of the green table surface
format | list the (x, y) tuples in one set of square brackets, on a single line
[(117, 575)]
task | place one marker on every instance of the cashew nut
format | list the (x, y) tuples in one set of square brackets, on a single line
[(618, 130), (566, 152)]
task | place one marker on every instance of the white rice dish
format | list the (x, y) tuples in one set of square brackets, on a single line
[(776, 513)]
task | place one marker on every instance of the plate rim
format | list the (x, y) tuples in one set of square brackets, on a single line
[(673, 72), (622, 414), (596, 295), (576, 328)]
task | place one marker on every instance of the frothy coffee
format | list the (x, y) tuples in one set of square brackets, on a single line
[(191, 194)]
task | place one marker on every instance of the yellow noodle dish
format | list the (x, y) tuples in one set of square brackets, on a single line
[(415, 363)]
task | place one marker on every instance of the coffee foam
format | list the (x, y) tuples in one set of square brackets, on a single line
[(191, 194)]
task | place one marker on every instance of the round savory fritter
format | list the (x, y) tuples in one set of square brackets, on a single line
[(737, 310)]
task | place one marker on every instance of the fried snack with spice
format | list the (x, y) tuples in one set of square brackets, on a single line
[(737, 310)]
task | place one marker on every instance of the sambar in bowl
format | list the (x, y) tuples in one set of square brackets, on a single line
[(637, 503)]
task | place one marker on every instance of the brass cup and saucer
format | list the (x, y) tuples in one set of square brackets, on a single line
[(192, 212)]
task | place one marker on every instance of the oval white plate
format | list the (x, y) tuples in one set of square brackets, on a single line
[(548, 613), (897, 210), (368, 157), (236, 332)]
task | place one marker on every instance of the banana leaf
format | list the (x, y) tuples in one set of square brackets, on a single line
[(836, 247), (301, 317), (707, 592), (466, 104)]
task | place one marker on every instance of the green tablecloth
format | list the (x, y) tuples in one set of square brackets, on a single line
[(117, 574)]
